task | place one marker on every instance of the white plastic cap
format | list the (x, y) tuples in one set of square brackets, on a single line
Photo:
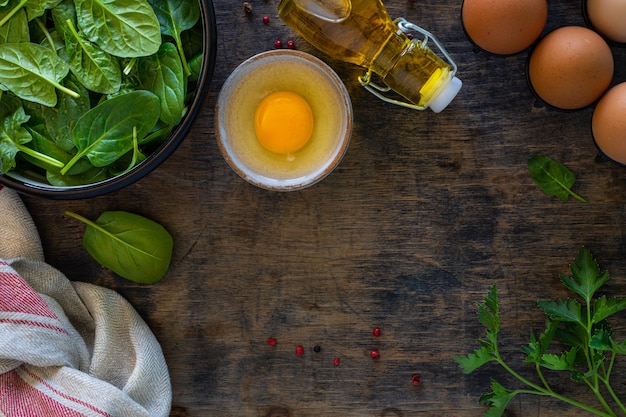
[(445, 95)]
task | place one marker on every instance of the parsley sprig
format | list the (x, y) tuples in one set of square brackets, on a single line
[(579, 323)]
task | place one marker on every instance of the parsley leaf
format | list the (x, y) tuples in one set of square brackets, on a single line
[(580, 325)]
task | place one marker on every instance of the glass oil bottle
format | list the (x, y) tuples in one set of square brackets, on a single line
[(361, 32)]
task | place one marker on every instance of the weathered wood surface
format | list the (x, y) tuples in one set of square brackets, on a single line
[(423, 215)]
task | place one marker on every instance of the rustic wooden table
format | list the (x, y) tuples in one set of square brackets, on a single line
[(425, 213)]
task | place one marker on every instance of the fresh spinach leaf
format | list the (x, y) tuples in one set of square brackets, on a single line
[(13, 135), (16, 27), (91, 175), (66, 10), (552, 178), (124, 28), (195, 66), (33, 72), (162, 73), (132, 246), (44, 145), (105, 133), (176, 16), (33, 8), (60, 58), (136, 157), (97, 70), (60, 120)]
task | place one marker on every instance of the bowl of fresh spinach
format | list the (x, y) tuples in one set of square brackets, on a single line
[(95, 95)]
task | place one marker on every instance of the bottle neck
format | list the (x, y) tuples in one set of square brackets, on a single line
[(411, 69)]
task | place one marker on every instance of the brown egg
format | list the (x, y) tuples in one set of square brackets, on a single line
[(504, 27), (609, 18), (609, 123), (571, 67)]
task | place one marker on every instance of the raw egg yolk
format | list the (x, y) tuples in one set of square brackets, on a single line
[(283, 122)]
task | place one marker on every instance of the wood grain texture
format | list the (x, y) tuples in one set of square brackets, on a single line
[(424, 214)]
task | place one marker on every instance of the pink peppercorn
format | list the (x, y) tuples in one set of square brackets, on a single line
[(291, 44), (375, 354), (278, 44), (271, 341), (416, 379), (336, 361), (376, 332), (266, 19), (299, 350)]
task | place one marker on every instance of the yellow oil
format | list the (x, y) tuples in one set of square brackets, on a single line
[(367, 36)]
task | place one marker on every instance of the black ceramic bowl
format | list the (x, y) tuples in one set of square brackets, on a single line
[(35, 185)]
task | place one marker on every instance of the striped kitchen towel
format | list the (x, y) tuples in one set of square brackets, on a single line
[(69, 348)]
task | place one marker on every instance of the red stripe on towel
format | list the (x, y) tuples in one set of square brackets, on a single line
[(17, 296), (19, 399), (36, 324)]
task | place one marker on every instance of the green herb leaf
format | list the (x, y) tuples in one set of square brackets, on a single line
[(619, 348), (97, 70), (552, 178), (586, 276), (602, 339), (32, 72), (69, 56), (15, 28), (606, 307), (498, 399), (536, 348), (472, 361), (564, 310), (12, 133), (105, 133), (582, 327), (572, 334), (132, 246), (89, 176), (162, 73), (563, 362), (488, 314), (176, 16), (123, 28)]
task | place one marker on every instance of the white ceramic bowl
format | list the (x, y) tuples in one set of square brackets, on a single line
[(283, 70)]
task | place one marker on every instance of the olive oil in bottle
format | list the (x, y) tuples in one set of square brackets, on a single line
[(361, 32)]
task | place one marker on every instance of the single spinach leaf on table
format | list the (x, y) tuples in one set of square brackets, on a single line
[(176, 16), (97, 70), (132, 246), (552, 178), (105, 133), (33, 72), (123, 28), (162, 73)]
